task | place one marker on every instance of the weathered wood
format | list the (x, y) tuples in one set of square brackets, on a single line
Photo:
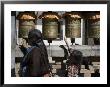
[(56, 51)]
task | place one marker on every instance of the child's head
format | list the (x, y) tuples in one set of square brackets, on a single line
[(75, 58)]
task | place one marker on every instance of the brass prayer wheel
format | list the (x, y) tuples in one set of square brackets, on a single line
[(50, 29), (25, 27), (72, 24), (94, 25), (26, 23), (50, 25)]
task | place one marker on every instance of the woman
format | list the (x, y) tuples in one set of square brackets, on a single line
[(37, 57)]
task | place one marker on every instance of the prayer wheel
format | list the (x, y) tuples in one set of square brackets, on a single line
[(94, 27), (50, 29), (26, 23), (24, 28), (72, 24), (50, 25)]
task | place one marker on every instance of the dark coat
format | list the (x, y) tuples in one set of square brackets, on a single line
[(38, 58), (38, 65)]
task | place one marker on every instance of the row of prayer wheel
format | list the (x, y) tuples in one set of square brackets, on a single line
[(50, 23)]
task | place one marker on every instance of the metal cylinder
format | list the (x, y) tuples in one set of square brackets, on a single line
[(24, 27), (50, 25), (50, 29), (73, 28), (94, 28), (72, 24), (26, 23)]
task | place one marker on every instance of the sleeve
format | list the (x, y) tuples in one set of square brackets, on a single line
[(23, 49), (35, 59)]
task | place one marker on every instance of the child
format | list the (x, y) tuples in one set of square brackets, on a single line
[(74, 63)]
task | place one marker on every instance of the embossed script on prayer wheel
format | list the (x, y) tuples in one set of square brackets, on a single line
[(50, 25), (50, 29), (73, 28), (25, 27), (72, 24), (94, 28), (94, 25), (26, 23)]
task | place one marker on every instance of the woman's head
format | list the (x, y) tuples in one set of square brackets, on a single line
[(34, 37)]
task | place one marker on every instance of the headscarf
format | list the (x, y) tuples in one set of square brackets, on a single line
[(35, 38)]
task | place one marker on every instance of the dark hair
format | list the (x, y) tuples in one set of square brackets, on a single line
[(75, 58)]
